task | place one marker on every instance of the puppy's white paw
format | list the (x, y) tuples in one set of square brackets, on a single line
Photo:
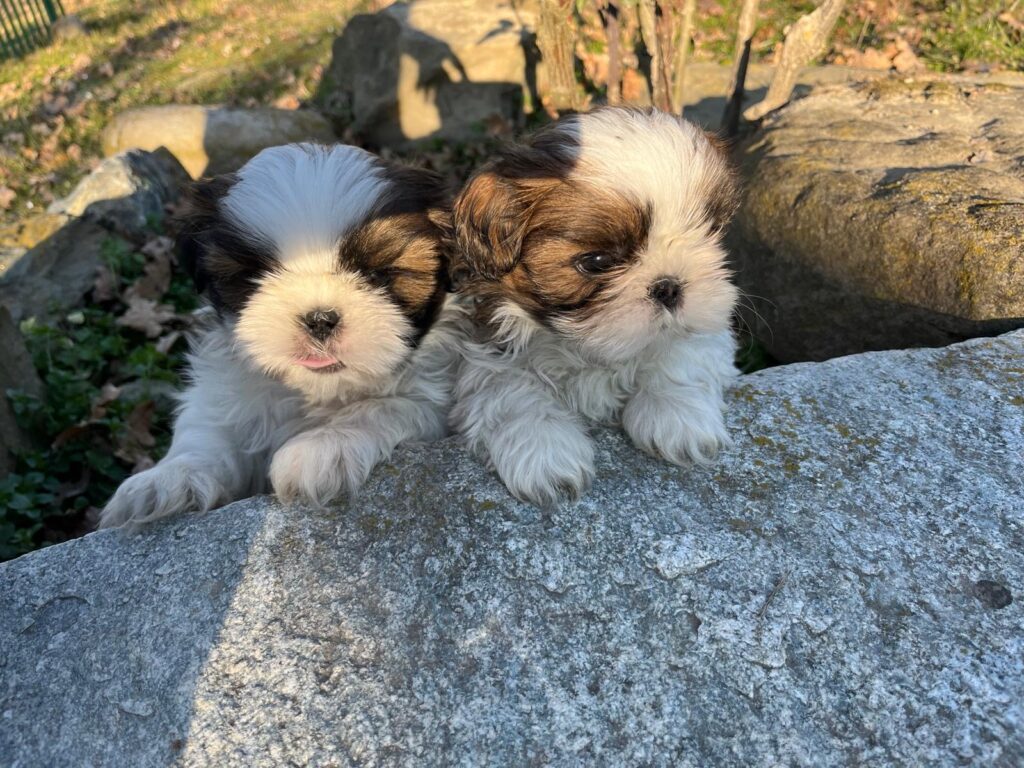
[(320, 465), (543, 462), (167, 489), (677, 429)]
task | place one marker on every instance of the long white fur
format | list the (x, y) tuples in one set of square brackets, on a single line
[(524, 398), (248, 419)]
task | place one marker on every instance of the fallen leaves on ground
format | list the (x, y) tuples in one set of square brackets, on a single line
[(897, 54), (155, 280), (136, 439), (146, 315)]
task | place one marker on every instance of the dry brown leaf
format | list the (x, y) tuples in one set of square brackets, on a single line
[(136, 439), (1007, 18), (905, 59), (108, 394), (869, 58), (288, 101), (156, 276), (158, 247), (104, 287), (7, 196), (139, 422), (146, 315), (167, 341)]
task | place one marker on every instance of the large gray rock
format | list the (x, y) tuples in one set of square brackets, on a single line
[(885, 214), (126, 192), (841, 588), (447, 69), (58, 272), (211, 140), (706, 85), (124, 195)]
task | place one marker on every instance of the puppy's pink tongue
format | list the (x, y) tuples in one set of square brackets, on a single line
[(312, 361)]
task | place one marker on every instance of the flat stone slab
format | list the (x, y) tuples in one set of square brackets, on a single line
[(842, 588)]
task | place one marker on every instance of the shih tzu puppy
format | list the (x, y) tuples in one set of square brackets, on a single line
[(331, 343), (593, 256)]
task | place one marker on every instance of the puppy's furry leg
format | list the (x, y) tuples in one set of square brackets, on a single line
[(229, 418), (321, 463), (677, 412), (340, 452), (203, 468), (510, 418)]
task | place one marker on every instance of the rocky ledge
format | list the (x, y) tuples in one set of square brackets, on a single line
[(842, 587)]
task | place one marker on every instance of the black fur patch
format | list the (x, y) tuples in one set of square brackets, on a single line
[(225, 261)]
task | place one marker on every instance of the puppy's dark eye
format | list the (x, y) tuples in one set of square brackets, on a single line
[(378, 277), (594, 263)]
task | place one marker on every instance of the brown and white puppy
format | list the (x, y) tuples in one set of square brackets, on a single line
[(332, 339), (594, 257)]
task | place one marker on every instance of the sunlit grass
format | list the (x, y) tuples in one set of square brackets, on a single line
[(136, 54)]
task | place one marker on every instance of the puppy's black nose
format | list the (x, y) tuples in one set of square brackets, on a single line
[(321, 323), (667, 291)]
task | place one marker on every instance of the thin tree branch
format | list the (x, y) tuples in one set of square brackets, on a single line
[(609, 10), (682, 53), (649, 30), (741, 59), (806, 41), (556, 37)]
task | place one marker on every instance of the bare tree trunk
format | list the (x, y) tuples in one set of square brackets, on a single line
[(649, 30), (666, 19), (740, 60), (610, 19), (806, 41), (682, 53), (556, 38)]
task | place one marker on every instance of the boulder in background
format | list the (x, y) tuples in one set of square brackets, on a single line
[(883, 215), (449, 69), (122, 197), (212, 140)]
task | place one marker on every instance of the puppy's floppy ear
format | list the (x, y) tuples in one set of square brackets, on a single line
[(491, 216), (488, 223), (198, 217), (724, 195)]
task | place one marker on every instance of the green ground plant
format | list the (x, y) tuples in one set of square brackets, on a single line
[(103, 409)]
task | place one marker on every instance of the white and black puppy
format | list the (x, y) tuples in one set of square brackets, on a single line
[(332, 342), (594, 257)]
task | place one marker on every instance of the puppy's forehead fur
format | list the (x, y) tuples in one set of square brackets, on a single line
[(310, 209), (658, 159), (303, 198)]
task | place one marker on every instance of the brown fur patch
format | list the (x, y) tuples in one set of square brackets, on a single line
[(401, 254), (567, 223)]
